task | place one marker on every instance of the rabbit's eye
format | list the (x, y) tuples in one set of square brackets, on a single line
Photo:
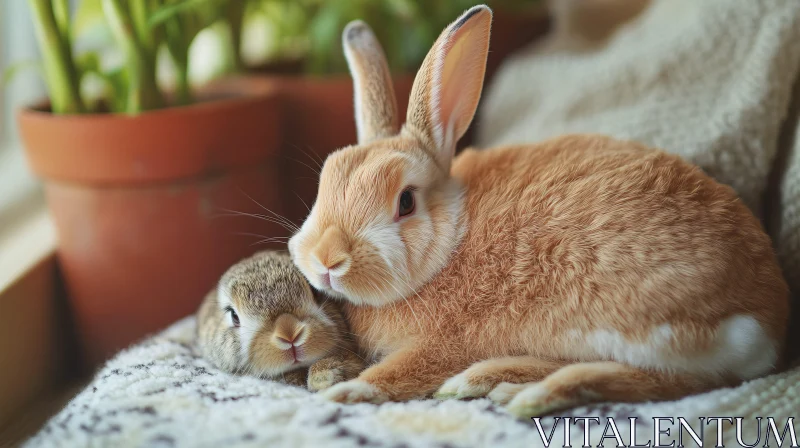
[(407, 203), (234, 316)]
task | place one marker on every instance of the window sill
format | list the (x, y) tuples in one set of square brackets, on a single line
[(24, 246), (31, 312), (27, 235), (32, 316)]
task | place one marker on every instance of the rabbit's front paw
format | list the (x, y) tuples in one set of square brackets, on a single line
[(319, 379), (505, 392), (355, 391), (535, 400), (294, 378), (464, 385)]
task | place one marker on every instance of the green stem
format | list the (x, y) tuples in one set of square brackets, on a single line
[(61, 14), (143, 91), (175, 31), (235, 16), (62, 78), (138, 16), (182, 90)]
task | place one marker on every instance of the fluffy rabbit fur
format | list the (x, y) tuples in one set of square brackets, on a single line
[(264, 320), (544, 276)]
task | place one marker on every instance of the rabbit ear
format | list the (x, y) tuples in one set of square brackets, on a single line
[(375, 102), (448, 85)]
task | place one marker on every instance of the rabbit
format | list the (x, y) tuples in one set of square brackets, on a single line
[(543, 276), (263, 320)]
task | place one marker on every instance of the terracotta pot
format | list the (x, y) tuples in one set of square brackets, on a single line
[(142, 204)]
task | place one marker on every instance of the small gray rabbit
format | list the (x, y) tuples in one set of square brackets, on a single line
[(264, 320)]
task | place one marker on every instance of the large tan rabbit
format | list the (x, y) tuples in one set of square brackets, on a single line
[(578, 269)]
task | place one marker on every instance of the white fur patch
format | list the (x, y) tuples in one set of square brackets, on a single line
[(741, 347), (386, 239), (748, 350)]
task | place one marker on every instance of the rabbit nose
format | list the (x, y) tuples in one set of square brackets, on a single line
[(293, 339), (331, 253), (335, 265), (289, 332)]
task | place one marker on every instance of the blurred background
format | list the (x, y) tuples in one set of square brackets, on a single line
[(269, 36)]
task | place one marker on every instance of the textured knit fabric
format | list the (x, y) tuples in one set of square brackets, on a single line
[(161, 393), (709, 80), (786, 216)]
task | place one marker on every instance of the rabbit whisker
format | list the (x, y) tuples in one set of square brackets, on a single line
[(285, 224), (310, 154), (276, 215), (305, 164)]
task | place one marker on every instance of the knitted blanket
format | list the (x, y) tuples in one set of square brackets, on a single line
[(162, 393), (709, 80)]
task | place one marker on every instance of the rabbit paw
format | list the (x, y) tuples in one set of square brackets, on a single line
[(536, 400), (319, 379), (463, 385), (294, 378), (355, 391), (504, 392)]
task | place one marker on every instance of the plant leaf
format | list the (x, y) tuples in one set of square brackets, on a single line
[(118, 79), (325, 28), (13, 70), (89, 14), (115, 80), (88, 62), (169, 10)]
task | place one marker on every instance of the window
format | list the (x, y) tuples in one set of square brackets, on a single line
[(18, 46), (18, 188)]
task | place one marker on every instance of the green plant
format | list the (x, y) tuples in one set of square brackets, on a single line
[(53, 33), (311, 29), (308, 30), (140, 29)]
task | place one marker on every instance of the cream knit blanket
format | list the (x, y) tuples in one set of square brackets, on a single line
[(709, 80), (162, 393)]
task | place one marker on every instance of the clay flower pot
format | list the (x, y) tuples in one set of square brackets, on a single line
[(143, 205)]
